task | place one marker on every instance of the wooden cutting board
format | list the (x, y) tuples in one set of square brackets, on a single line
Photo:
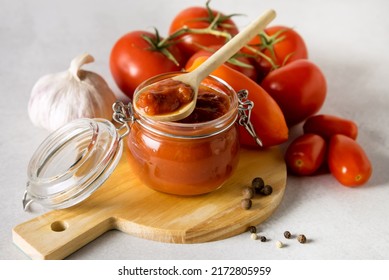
[(123, 203)]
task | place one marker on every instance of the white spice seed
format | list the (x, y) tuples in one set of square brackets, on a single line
[(254, 236), (279, 244)]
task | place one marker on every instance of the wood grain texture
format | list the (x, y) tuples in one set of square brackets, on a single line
[(125, 204)]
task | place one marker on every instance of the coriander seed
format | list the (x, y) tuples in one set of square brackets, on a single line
[(254, 236), (301, 238), (287, 234), (279, 244), (246, 203), (248, 192), (258, 184), (252, 229)]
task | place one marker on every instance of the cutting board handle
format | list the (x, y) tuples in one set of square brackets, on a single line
[(59, 233)]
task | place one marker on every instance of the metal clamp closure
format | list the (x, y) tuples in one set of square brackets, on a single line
[(124, 115), (244, 108)]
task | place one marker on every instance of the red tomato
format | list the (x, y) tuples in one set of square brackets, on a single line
[(280, 43), (306, 154), (134, 59), (247, 69), (266, 116), (348, 162), (328, 125), (299, 88), (201, 18)]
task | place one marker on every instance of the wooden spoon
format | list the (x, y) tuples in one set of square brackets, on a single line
[(195, 77)]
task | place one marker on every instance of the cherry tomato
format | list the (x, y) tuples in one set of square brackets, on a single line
[(328, 125), (306, 154), (281, 44), (247, 68), (135, 57), (266, 117), (200, 18), (348, 161), (299, 88)]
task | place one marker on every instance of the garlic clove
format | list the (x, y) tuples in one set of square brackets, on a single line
[(59, 98), (78, 62)]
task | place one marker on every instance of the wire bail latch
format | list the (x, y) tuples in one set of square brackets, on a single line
[(245, 108), (124, 115)]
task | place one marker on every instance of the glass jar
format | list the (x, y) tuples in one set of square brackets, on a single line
[(186, 158)]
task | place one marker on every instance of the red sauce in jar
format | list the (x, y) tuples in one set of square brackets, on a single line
[(210, 105), (183, 166), (164, 97), (184, 159)]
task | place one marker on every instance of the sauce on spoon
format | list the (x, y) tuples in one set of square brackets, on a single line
[(165, 97), (169, 95)]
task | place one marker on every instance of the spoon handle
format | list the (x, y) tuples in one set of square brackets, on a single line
[(234, 45)]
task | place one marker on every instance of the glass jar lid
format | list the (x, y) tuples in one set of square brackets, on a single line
[(72, 162)]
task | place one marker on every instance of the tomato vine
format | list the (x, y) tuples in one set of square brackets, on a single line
[(216, 20)]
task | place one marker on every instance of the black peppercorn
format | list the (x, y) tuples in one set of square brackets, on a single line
[(258, 184), (252, 229), (263, 239), (248, 192), (301, 238), (287, 234), (246, 203), (267, 190)]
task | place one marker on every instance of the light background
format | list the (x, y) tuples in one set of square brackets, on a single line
[(347, 39)]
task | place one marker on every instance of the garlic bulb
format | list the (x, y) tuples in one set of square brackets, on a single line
[(59, 98)]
